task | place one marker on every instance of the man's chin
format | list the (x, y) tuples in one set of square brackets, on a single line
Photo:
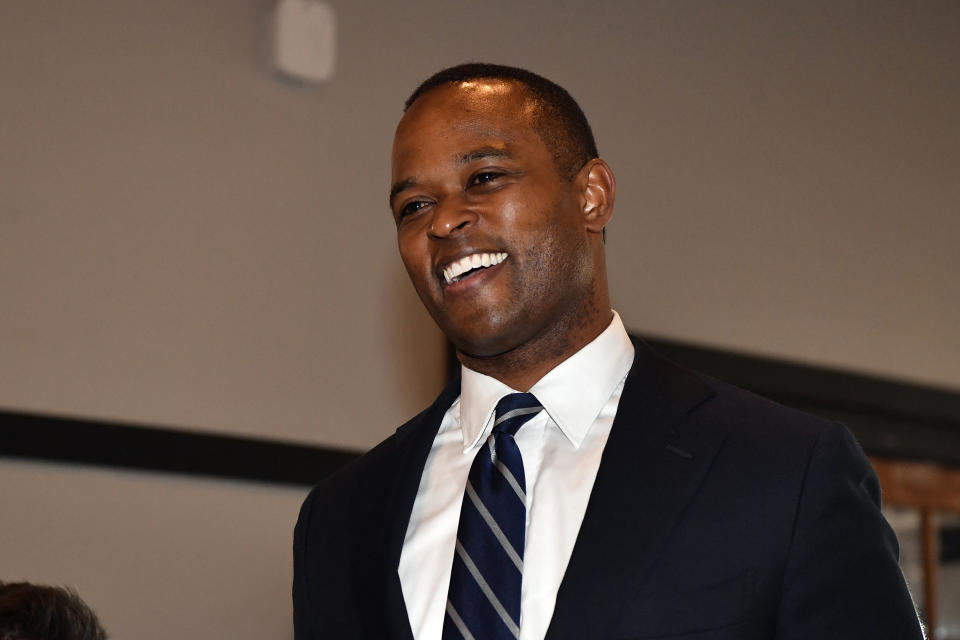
[(485, 331), (483, 346)]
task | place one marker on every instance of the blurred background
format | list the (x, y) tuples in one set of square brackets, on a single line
[(191, 240)]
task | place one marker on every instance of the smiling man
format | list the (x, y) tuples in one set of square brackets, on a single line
[(569, 483)]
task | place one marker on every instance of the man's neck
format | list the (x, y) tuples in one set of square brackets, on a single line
[(522, 367)]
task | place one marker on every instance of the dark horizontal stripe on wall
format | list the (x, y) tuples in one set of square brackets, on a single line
[(169, 450), (889, 418)]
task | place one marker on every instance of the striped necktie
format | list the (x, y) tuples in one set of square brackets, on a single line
[(484, 598)]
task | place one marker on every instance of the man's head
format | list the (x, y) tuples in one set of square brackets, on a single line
[(39, 612), (496, 167)]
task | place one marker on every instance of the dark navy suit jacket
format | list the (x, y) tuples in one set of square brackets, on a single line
[(715, 515)]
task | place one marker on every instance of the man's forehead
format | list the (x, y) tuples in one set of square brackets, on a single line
[(472, 101)]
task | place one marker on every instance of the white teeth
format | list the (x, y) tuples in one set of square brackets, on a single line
[(474, 261)]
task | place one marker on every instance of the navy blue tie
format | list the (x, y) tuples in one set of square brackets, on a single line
[(484, 598)]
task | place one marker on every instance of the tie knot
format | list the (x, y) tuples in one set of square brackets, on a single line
[(513, 411)]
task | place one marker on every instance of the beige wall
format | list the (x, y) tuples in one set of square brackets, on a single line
[(188, 240), (156, 556)]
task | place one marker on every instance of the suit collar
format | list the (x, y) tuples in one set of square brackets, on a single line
[(652, 465)]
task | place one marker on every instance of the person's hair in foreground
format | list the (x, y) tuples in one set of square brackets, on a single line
[(39, 612)]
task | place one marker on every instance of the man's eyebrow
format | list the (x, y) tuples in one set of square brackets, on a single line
[(402, 185), (482, 154)]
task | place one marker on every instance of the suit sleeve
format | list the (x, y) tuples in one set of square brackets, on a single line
[(322, 579), (325, 565), (301, 626), (843, 578)]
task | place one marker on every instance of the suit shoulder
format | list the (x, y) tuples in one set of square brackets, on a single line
[(757, 427), (792, 445), (715, 403), (747, 410)]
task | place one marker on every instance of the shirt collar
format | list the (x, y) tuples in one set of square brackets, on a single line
[(573, 392)]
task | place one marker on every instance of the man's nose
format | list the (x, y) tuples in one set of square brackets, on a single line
[(451, 216)]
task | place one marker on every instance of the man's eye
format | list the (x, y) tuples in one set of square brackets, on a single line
[(484, 177), (411, 208)]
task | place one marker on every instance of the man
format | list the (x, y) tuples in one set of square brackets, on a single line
[(569, 484), (39, 612)]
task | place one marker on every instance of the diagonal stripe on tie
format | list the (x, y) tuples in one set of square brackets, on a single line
[(458, 622), (488, 593), (515, 413), (495, 529), (485, 583), (508, 476)]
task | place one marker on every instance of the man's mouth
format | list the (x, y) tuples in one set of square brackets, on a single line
[(468, 265)]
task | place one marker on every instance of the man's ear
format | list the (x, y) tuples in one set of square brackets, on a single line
[(599, 188)]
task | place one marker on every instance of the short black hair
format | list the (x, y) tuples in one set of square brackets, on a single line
[(560, 122), (41, 612)]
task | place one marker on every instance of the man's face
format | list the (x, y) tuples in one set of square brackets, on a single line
[(490, 232)]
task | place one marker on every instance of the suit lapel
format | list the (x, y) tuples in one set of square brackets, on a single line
[(653, 462), (412, 445)]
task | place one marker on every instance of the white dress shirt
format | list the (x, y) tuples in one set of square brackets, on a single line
[(561, 448)]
